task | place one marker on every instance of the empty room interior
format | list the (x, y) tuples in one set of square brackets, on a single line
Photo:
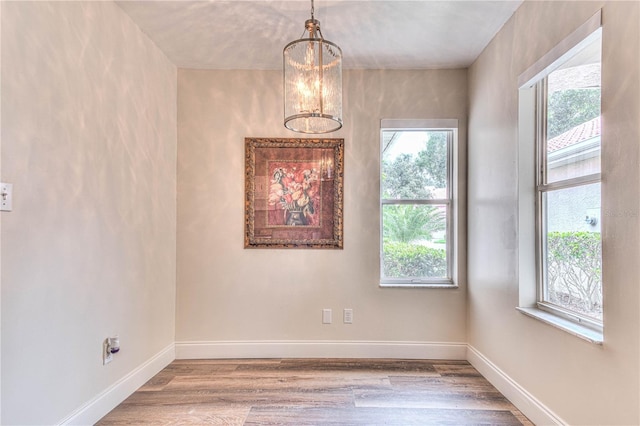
[(158, 208)]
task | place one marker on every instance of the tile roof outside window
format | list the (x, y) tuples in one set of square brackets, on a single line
[(583, 132)]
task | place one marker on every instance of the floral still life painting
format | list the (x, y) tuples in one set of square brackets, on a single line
[(293, 193)]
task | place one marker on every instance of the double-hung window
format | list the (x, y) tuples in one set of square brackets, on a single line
[(568, 249), (568, 187), (416, 202)]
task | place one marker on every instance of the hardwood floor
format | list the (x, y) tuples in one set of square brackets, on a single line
[(316, 392)]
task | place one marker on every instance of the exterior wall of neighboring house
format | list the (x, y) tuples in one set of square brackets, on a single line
[(575, 153)]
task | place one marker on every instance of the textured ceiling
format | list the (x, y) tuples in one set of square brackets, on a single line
[(375, 34)]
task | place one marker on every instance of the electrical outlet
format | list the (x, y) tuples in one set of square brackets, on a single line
[(110, 346), (347, 316), (6, 197), (326, 316)]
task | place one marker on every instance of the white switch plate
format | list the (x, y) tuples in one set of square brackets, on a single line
[(348, 316), (6, 197), (326, 316)]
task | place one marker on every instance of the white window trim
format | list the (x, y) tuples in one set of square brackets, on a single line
[(452, 247), (527, 192)]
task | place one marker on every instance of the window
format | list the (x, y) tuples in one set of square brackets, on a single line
[(564, 94), (416, 202), (568, 187)]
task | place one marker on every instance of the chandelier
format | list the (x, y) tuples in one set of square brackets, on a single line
[(312, 82)]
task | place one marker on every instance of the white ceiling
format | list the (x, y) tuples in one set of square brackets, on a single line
[(373, 34)]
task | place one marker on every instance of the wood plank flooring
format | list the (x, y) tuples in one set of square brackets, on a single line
[(316, 392)]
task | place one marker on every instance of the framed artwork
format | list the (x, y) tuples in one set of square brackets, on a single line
[(293, 193)]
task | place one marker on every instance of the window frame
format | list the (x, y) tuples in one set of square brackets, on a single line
[(450, 126), (542, 188)]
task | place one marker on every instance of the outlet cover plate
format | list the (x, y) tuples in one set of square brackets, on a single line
[(6, 197), (348, 316), (326, 316), (107, 356)]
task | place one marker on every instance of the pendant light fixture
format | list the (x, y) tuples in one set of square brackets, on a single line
[(312, 82)]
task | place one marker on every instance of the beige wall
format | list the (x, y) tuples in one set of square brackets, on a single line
[(581, 382), (227, 293), (89, 143)]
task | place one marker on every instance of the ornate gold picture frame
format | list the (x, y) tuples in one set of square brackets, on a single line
[(293, 193)]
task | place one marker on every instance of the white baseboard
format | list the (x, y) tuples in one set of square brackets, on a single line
[(535, 410), (107, 400), (320, 349)]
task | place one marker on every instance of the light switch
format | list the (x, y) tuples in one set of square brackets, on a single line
[(6, 197)]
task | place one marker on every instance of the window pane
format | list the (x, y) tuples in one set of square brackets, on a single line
[(414, 241), (414, 165), (573, 249), (573, 116)]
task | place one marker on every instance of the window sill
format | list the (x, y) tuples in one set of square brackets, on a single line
[(586, 333), (417, 285)]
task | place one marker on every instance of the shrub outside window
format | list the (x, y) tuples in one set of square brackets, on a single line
[(416, 206)]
